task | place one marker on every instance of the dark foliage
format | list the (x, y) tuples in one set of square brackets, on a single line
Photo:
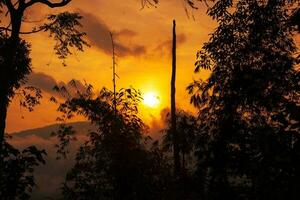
[(187, 128), (63, 28), (245, 143), (17, 180), (15, 66), (248, 142), (16, 73), (115, 162), (183, 185), (15, 61)]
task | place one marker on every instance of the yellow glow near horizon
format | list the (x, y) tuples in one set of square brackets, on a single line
[(151, 99), (143, 63)]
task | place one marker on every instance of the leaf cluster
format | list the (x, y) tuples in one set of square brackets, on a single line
[(248, 105), (114, 163), (17, 180)]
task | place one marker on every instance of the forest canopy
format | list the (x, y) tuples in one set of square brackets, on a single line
[(234, 135)]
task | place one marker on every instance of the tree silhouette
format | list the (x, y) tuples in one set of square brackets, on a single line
[(115, 162), (173, 106), (249, 106), (15, 60), (295, 18), (183, 185), (114, 64), (187, 128), (17, 180), (15, 65)]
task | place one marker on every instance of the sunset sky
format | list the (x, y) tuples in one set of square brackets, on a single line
[(143, 40), (246, 128)]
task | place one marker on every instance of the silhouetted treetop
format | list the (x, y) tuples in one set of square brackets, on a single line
[(15, 60), (15, 66), (114, 163), (187, 128), (249, 105)]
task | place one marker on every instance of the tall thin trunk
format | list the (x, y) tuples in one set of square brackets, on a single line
[(114, 72), (173, 107)]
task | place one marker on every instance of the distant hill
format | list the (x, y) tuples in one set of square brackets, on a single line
[(45, 132), (49, 177)]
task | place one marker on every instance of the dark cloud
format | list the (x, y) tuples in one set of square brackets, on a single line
[(125, 33), (42, 81), (98, 34), (47, 83), (165, 47)]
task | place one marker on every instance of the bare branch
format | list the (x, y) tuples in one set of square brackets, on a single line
[(13, 8), (24, 32), (48, 3), (34, 30), (9, 5)]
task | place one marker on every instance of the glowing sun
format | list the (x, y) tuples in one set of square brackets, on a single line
[(150, 99)]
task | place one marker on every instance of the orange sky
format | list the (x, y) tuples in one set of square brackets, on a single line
[(143, 39)]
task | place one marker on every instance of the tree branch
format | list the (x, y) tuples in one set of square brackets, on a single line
[(48, 3), (25, 32), (9, 5), (21, 4)]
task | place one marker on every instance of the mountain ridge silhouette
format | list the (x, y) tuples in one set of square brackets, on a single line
[(44, 132)]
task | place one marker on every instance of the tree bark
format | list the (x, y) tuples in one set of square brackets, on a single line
[(7, 66), (173, 107), (3, 114)]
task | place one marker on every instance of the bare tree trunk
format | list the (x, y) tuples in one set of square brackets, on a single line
[(6, 68), (3, 110), (114, 72), (3, 113), (16, 12), (173, 107)]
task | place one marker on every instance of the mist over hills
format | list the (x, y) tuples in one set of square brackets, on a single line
[(81, 127), (49, 177)]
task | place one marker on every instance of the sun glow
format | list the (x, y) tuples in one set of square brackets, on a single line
[(151, 100)]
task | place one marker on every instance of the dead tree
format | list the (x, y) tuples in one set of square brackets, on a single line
[(114, 72), (173, 107)]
